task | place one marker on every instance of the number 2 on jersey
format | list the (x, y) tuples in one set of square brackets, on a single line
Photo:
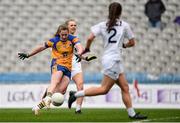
[(110, 40)]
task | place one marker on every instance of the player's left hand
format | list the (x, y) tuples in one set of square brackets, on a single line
[(23, 55), (78, 59), (86, 50), (123, 45), (89, 58)]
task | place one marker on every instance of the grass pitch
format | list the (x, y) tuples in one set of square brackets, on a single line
[(88, 115)]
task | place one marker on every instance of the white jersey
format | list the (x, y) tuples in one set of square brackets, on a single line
[(113, 39)]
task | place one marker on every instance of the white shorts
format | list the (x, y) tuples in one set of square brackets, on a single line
[(76, 68), (112, 69)]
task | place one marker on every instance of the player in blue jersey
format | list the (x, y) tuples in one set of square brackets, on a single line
[(62, 46)]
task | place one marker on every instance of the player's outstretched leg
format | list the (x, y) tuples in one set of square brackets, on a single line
[(138, 116), (71, 99), (36, 109), (44, 103)]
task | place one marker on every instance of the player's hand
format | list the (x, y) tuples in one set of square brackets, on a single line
[(78, 59), (85, 51), (89, 58), (23, 55), (124, 46)]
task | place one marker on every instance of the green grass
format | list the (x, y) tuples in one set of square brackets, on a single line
[(88, 115)]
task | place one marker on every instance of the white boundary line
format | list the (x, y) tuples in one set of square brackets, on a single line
[(167, 118)]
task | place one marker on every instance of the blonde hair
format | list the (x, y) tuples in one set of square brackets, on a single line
[(67, 22)]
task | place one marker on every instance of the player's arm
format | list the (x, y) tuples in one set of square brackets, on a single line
[(87, 49), (130, 43), (130, 36), (36, 50), (79, 48), (83, 51), (95, 31), (87, 58), (90, 39)]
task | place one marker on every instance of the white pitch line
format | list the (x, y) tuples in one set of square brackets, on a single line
[(167, 118)]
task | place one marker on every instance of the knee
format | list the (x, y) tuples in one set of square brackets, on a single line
[(64, 92), (80, 86), (104, 90)]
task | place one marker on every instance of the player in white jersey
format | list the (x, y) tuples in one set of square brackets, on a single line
[(113, 31), (113, 41), (76, 72)]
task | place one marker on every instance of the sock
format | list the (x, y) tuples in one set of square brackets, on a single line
[(41, 105), (49, 94), (78, 107), (80, 94), (131, 112)]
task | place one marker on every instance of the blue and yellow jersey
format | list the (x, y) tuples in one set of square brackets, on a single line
[(62, 51)]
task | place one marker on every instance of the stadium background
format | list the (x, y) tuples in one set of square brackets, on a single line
[(154, 62)]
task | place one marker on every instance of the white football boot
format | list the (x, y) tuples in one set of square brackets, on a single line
[(36, 110)]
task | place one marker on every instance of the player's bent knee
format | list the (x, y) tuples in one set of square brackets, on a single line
[(105, 90), (80, 87)]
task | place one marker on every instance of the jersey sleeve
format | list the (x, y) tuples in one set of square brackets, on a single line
[(96, 29), (128, 32), (50, 42), (75, 40)]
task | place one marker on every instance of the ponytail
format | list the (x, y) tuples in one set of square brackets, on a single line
[(115, 10)]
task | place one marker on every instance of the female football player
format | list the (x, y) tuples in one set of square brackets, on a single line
[(76, 73), (113, 31), (62, 53)]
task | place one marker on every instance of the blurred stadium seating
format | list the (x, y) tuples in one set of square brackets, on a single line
[(26, 23)]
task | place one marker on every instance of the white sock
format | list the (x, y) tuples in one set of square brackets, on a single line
[(131, 112), (78, 107), (79, 94)]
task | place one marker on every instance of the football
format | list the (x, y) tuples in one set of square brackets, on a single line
[(57, 99)]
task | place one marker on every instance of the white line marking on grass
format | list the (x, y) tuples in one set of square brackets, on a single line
[(157, 119)]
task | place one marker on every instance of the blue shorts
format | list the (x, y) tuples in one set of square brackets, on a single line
[(65, 71)]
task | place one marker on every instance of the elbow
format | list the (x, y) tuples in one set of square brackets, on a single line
[(133, 44), (91, 37)]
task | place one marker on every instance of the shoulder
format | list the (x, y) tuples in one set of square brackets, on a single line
[(71, 37), (125, 24), (98, 27), (103, 23), (55, 39), (100, 24)]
